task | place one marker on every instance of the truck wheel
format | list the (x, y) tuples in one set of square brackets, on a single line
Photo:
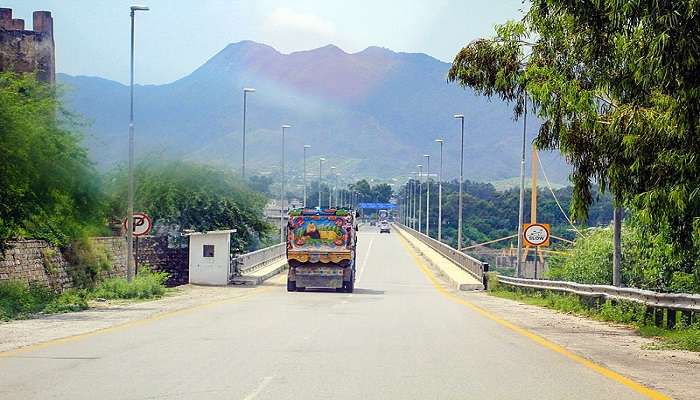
[(291, 286), (350, 286)]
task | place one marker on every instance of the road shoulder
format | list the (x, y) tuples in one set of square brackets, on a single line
[(615, 346), (21, 334)]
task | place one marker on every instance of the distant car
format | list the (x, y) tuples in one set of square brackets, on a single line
[(372, 223), (384, 227)]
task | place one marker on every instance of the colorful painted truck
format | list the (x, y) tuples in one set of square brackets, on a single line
[(321, 249)]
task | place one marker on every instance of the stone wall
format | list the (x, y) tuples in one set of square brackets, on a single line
[(34, 261), (38, 261), (115, 246), (30, 51), (161, 255)]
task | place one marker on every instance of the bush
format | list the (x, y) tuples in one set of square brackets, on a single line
[(146, 285), (69, 301), (19, 300), (89, 261), (590, 260)]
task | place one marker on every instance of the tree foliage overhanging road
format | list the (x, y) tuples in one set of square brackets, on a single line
[(50, 190), (616, 86), (48, 187)]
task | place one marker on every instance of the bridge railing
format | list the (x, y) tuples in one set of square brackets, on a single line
[(253, 261), (474, 267)]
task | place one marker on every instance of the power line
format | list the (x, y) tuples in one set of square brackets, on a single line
[(556, 200)]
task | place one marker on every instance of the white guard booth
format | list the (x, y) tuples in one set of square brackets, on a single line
[(210, 257)]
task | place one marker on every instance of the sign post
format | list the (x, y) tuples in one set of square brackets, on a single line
[(536, 235), (142, 225)]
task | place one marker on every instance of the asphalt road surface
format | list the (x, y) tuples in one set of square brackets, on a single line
[(396, 337)]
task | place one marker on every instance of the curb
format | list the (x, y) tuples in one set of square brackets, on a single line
[(251, 280), (465, 287)]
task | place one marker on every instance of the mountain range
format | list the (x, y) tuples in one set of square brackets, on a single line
[(373, 114)]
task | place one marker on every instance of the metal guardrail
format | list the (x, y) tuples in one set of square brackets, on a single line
[(468, 263), (253, 261), (672, 301)]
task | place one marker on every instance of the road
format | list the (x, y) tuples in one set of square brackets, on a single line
[(396, 337)]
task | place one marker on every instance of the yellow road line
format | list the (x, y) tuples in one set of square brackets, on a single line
[(131, 324), (637, 387)]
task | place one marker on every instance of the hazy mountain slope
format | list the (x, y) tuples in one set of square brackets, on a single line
[(372, 113)]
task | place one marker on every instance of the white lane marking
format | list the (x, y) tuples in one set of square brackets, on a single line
[(261, 386), (364, 262)]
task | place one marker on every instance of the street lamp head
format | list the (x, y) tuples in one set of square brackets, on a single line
[(332, 167), (322, 159), (286, 126), (459, 116), (248, 90), (439, 141), (426, 155), (307, 146), (139, 8), (420, 165)]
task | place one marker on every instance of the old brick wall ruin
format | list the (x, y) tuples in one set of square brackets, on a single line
[(28, 51)]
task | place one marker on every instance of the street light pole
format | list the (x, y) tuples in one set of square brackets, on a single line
[(282, 194), (320, 179), (461, 182), (427, 196), (415, 201), (335, 190), (331, 190), (130, 270), (420, 197), (245, 96), (306, 147), (440, 193)]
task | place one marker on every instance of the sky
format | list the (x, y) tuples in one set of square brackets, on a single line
[(177, 36)]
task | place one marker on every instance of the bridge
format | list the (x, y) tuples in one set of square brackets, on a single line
[(417, 327)]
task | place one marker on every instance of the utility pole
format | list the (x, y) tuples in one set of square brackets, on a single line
[(533, 200), (461, 182), (440, 193), (617, 246), (130, 268), (521, 204), (245, 95)]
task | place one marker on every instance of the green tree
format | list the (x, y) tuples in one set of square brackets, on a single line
[(180, 195), (48, 187), (616, 86), (382, 193)]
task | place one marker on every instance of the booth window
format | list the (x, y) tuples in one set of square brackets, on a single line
[(208, 250)]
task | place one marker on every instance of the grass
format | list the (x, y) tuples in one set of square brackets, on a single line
[(629, 313), (146, 285), (19, 300)]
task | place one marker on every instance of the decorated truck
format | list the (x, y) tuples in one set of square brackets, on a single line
[(321, 249)]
